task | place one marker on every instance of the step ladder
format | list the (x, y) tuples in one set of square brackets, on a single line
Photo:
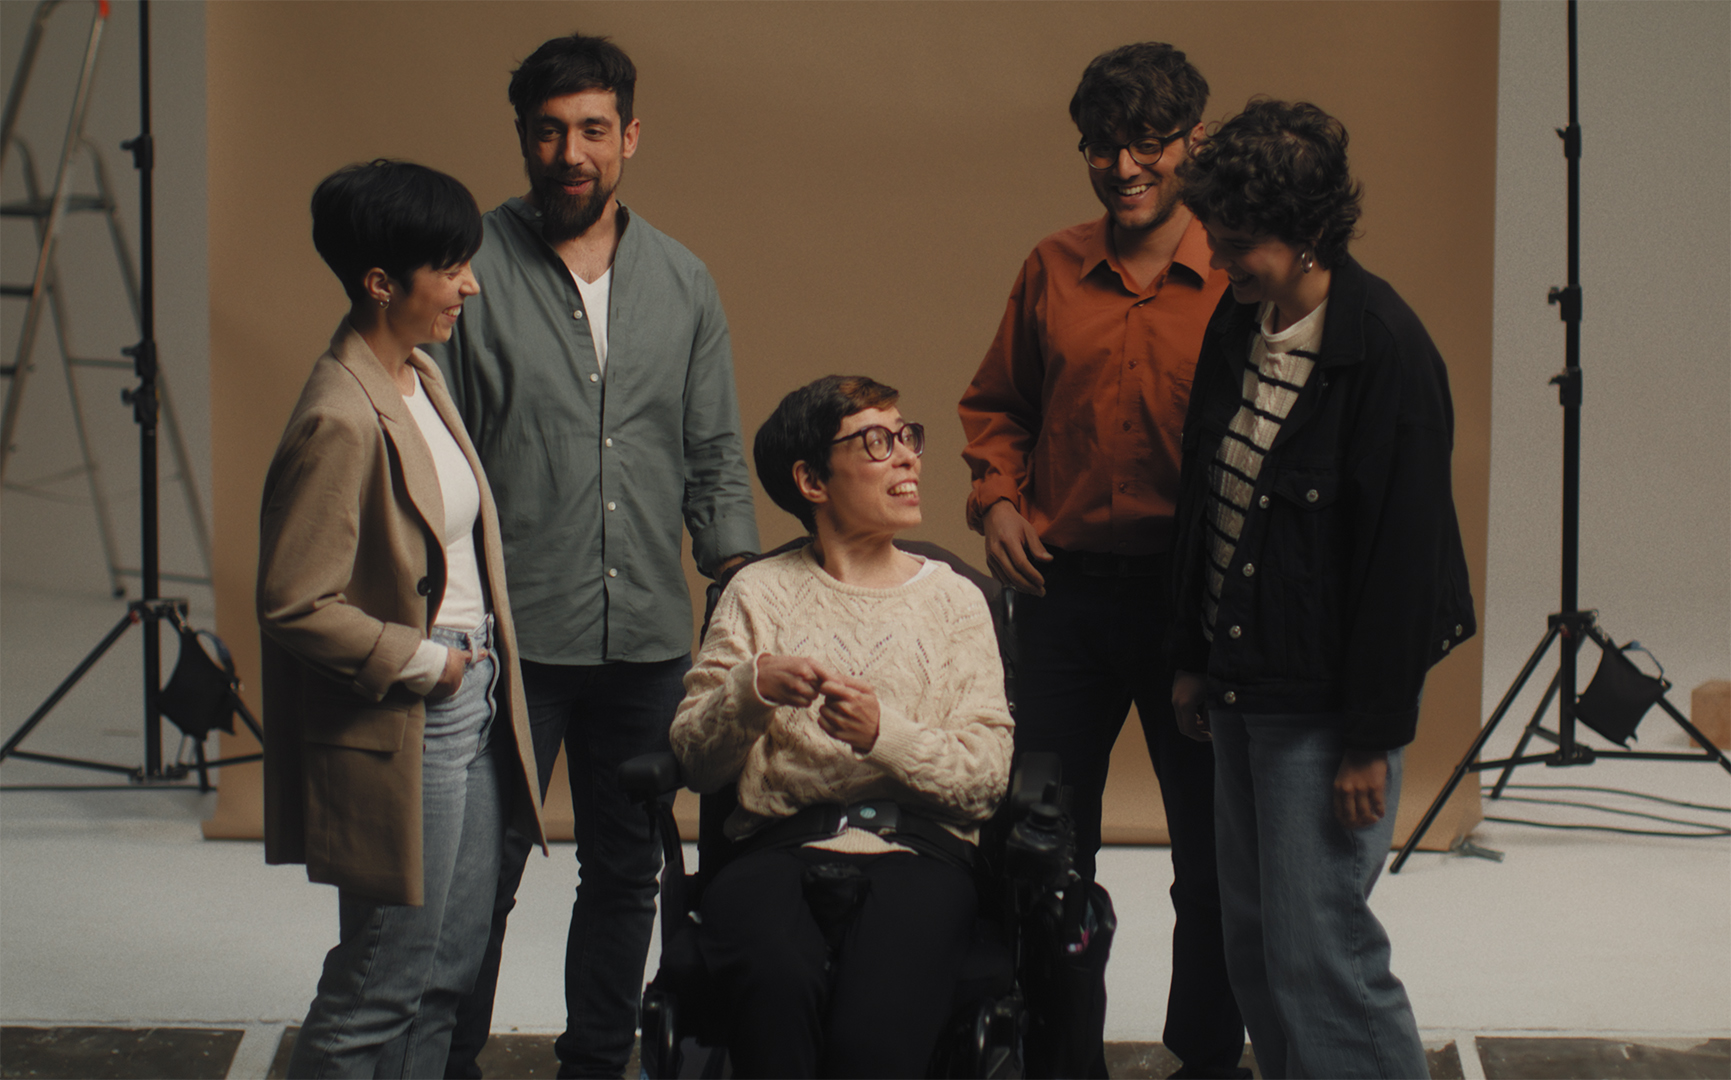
[(47, 294)]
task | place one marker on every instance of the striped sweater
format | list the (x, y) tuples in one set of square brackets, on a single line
[(1279, 366)]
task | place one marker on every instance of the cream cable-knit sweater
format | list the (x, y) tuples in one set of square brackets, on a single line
[(929, 652)]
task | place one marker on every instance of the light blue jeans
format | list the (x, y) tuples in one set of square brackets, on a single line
[(388, 995), (1309, 963)]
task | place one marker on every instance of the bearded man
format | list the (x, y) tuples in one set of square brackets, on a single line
[(596, 380)]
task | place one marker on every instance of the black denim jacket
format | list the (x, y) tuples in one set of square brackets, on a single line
[(1349, 581)]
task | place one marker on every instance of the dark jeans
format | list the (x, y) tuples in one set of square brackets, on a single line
[(879, 1013), (1085, 651), (604, 715)]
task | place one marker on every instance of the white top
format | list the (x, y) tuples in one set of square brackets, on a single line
[(595, 294), (465, 604)]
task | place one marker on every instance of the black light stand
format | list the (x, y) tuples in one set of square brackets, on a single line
[(151, 609), (1571, 624)]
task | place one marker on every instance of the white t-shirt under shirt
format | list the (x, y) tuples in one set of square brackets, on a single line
[(595, 294), (465, 604)]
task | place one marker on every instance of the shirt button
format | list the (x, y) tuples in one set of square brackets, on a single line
[(1263, 502), (606, 442), (1126, 425), (1459, 630), (594, 377), (1231, 698), (1445, 645), (577, 314), (612, 506), (612, 572), (1311, 495), (1132, 365), (1249, 569), (1236, 632), (1123, 487)]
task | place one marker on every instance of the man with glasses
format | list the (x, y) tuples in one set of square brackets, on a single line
[(1074, 423), (594, 374)]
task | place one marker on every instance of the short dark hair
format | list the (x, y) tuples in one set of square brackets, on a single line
[(1277, 169), (571, 65), (393, 215), (802, 428), (1148, 86)]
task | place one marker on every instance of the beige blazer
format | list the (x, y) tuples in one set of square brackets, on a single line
[(351, 573)]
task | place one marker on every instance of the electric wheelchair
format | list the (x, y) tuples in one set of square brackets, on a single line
[(1027, 1002)]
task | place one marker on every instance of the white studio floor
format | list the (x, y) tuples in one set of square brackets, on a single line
[(113, 909)]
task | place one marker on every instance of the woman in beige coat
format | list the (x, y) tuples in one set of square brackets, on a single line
[(396, 738)]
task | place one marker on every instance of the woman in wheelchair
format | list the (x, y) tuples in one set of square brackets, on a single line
[(841, 686)]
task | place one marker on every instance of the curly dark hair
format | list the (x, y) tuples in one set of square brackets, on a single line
[(801, 429), (1145, 87), (1277, 169)]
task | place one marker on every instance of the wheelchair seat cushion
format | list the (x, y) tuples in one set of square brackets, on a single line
[(988, 969)]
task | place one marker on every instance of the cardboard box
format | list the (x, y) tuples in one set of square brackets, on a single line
[(1710, 711)]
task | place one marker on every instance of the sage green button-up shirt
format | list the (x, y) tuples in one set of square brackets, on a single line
[(594, 473)]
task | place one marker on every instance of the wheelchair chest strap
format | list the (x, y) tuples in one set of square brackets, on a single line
[(884, 817)]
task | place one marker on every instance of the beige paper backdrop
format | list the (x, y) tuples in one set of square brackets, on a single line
[(863, 179)]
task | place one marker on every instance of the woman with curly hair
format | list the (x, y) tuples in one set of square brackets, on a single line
[(1320, 574)]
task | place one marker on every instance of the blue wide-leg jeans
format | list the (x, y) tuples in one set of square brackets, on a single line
[(388, 995), (1308, 960)]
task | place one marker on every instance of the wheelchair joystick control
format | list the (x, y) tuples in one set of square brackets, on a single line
[(1039, 847)]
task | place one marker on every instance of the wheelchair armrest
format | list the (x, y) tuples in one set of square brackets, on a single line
[(1039, 778), (650, 776)]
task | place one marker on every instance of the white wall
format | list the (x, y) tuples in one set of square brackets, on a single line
[(52, 541), (1655, 112)]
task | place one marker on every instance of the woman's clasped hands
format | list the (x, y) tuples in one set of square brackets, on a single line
[(850, 706)]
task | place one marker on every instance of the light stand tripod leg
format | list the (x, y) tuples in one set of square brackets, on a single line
[(1709, 749), (1535, 726), (1468, 762), (69, 682), (202, 767)]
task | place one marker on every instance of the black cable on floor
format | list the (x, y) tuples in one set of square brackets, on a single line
[(1619, 791), (1699, 830), (1713, 833)]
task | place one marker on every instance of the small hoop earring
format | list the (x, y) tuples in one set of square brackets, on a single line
[(387, 303), (1306, 261)]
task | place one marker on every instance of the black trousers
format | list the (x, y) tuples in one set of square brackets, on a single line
[(879, 1013), (1086, 650), (603, 715)]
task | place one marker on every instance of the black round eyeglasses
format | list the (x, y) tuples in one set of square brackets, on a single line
[(1145, 151), (880, 441)]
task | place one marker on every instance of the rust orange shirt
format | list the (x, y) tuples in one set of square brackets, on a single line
[(1077, 410)]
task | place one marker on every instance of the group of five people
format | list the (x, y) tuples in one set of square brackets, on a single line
[(1232, 511)]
